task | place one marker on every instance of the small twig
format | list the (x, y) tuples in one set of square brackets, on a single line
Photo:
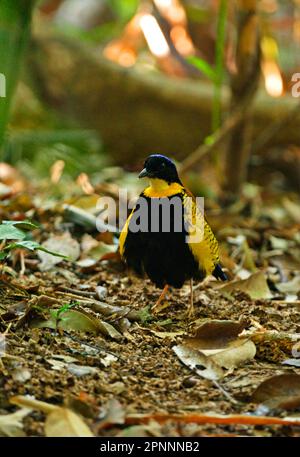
[(77, 292), (97, 348), (211, 419), (104, 308), (218, 138), (22, 263), (74, 296), (225, 393)]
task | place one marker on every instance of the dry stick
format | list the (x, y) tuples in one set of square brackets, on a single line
[(225, 393), (211, 419), (104, 308), (82, 293), (218, 137)]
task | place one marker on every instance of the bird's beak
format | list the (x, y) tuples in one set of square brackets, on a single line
[(144, 173)]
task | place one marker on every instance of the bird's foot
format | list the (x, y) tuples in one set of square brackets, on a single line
[(190, 311)]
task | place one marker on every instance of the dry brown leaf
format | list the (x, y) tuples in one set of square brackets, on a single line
[(282, 391), (114, 413), (213, 334), (290, 287), (236, 353), (255, 286), (63, 244), (292, 362), (62, 422), (218, 340), (81, 370), (11, 424), (198, 362)]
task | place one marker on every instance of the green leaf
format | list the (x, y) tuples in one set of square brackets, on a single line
[(32, 246), (71, 320), (9, 232), (24, 225), (3, 255), (203, 66)]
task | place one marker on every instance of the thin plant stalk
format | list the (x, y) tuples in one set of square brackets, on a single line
[(15, 20)]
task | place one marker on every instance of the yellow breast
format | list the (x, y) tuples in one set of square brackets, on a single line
[(159, 188)]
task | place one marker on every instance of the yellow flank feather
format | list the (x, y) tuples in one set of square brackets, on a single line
[(201, 239), (159, 188), (123, 235)]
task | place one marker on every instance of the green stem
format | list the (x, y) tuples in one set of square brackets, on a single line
[(15, 20)]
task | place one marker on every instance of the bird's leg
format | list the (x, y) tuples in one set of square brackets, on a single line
[(190, 311), (161, 297)]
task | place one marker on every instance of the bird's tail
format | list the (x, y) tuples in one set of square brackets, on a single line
[(219, 273)]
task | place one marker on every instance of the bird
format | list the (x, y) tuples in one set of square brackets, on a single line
[(172, 256)]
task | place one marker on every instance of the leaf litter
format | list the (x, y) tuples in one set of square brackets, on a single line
[(84, 356)]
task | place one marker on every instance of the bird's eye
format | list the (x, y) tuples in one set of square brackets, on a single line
[(163, 165)]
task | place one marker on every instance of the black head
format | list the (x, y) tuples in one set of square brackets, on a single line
[(160, 167)]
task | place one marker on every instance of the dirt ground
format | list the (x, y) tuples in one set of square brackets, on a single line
[(145, 375)]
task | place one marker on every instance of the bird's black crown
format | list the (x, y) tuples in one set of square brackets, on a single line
[(160, 167)]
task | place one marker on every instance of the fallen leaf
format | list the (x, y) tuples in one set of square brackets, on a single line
[(21, 374), (30, 402), (114, 413), (88, 243), (235, 354), (218, 340), (198, 362), (80, 320), (213, 334), (281, 391), (108, 330), (63, 244), (81, 370), (12, 425), (255, 286), (62, 422), (64, 358), (279, 243), (56, 365), (292, 362), (101, 292), (290, 287), (71, 319), (292, 209), (153, 429), (108, 360)]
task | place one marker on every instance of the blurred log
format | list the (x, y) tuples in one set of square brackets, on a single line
[(137, 112)]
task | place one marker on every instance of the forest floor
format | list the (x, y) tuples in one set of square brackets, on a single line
[(81, 334)]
